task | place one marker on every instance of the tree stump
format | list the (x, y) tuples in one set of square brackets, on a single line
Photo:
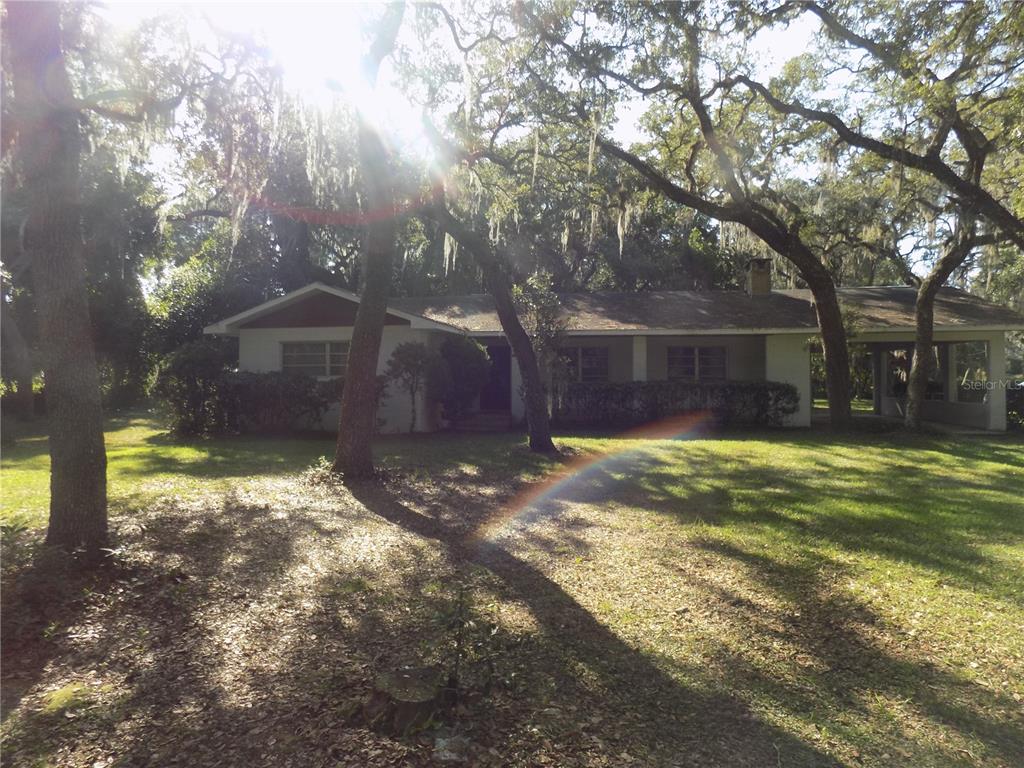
[(404, 700)]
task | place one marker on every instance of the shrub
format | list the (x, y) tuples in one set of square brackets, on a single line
[(205, 397), (1015, 407), (639, 402), (414, 366), (190, 385), (468, 367)]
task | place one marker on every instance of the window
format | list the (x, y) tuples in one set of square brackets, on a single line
[(593, 364), (696, 363), (682, 364), (315, 358), (971, 371), (711, 363), (585, 364)]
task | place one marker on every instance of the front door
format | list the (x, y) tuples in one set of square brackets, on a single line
[(496, 394)]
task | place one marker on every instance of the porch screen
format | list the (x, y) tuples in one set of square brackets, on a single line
[(899, 362), (971, 370), (696, 363), (315, 358)]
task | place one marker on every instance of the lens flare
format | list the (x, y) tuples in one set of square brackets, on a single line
[(576, 480)]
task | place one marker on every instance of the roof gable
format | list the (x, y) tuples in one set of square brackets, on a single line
[(315, 310), (313, 305)]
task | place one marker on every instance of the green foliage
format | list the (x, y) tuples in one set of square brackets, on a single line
[(239, 402), (415, 366), (468, 367), (539, 309), (630, 404), (192, 386), (1015, 408), (220, 279)]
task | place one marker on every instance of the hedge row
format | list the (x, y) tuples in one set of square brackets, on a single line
[(235, 402), (631, 404)]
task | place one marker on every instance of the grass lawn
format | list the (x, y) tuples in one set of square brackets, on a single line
[(856, 405), (773, 599)]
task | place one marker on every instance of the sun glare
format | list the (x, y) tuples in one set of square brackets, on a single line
[(319, 47)]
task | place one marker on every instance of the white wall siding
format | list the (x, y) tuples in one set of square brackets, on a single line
[(788, 359), (997, 375)]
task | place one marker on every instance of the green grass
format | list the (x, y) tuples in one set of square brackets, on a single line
[(144, 463), (860, 596), (857, 406)]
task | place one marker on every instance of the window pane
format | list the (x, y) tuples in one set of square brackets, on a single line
[(682, 363), (593, 364), (305, 357), (711, 363), (338, 358), (971, 371)]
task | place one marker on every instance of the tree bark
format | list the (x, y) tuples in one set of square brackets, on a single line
[(48, 147), (923, 364), (353, 456), (498, 285), (835, 349), (412, 404)]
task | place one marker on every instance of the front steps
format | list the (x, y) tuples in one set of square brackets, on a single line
[(486, 421)]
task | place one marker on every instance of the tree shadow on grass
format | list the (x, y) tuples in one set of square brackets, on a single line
[(844, 639), (663, 719), (147, 629)]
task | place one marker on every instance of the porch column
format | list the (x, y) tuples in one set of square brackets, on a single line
[(639, 358), (951, 379), (877, 377), (997, 380)]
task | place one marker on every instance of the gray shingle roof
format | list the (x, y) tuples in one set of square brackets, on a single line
[(876, 307)]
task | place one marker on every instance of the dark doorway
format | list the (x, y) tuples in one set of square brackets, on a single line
[(496, 394)]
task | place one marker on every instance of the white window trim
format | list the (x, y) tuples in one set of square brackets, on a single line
[(326, 375)]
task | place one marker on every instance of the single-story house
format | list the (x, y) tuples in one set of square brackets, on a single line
[(755, 335)]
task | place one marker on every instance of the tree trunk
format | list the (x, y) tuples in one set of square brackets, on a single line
[(48, 147), (537, 417), (412, 403), (957, 250), (353, 456), (924, 361), (834, 347), (292, 237)]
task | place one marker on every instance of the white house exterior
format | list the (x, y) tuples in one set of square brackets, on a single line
[(724, 335)]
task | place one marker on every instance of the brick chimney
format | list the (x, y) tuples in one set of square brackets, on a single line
[(759, 277)]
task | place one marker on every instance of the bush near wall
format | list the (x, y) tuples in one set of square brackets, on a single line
[(761, 403), (233, 402), (1015, 407)]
